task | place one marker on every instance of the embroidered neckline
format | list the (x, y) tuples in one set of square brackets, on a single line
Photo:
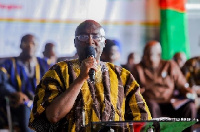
[(30, 70), (98, 75)]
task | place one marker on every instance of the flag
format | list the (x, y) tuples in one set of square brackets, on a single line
[(169, 126), (173, 28)]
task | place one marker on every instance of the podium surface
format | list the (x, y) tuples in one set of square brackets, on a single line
[(140, 126)]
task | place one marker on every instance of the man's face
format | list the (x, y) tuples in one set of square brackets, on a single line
[(28, 46), (114, 54), (50, 50), (154, 55), (181, 59), (90, 31)]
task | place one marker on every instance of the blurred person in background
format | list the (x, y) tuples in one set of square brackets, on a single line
[(191, 71), (20, 75), (111, 52), (132, 59), (75, 56), (157, 79), (50, 54), (180, 58)]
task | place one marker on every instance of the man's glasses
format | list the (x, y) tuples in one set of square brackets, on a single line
[(84, 38)]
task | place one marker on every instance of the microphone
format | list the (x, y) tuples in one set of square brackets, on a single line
[(90, 52)]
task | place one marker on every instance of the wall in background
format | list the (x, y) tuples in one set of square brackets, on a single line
[(131, 22), (193, 15)]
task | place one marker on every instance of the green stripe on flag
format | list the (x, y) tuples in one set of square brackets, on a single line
[(174, 126), (173, 33)]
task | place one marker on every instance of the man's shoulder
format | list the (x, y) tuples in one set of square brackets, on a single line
[(9, 61), (65, 64), (41, 60), (60, 64), (171, 63), (139, 65), (112, 66), (193, 61), (116, 68)]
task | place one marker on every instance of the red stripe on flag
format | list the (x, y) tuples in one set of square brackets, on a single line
[(138, 126), (178, 5)]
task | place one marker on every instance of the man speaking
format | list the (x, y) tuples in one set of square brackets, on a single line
[(67, 98)]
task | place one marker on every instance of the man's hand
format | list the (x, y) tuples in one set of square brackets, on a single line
[(62, 104), (18, 98), (86, 65), (142, 90), (196, 88), (191, 95)]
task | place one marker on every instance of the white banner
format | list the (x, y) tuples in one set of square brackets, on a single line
[(128, 21)]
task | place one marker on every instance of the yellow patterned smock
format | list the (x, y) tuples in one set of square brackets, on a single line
[(114, 96)]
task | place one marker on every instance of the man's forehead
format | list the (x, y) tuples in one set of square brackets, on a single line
[(29, 38), (89, 30), (155, 48), (102, 32), (90, 27)]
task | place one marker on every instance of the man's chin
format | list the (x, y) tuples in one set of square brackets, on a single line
[(29, 56)]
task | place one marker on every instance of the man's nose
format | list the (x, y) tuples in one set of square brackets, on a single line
[(90, 40)]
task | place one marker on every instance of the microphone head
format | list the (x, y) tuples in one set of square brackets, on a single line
[(90, 51)]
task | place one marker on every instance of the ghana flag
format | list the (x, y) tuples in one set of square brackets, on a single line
[(173, 28)]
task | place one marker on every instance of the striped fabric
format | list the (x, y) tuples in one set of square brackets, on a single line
[(18, 78), (13, 78), (113, 96)]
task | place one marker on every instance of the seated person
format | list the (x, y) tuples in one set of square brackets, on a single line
[(131, 61), (21, 75), (111, 52), (191, 70), (158, 79), (180, 58), (49, 54), (67, 100)]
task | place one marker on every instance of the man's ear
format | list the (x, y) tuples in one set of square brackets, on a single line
[(105, 43), (74, 43), (21, 45)]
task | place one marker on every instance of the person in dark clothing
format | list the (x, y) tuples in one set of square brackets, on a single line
[(20, 76)]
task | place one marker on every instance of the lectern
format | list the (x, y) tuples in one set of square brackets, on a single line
[(138, 126)]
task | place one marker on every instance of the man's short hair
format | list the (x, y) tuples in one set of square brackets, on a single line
[(87, 23), (109, 44), (25, 37)]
